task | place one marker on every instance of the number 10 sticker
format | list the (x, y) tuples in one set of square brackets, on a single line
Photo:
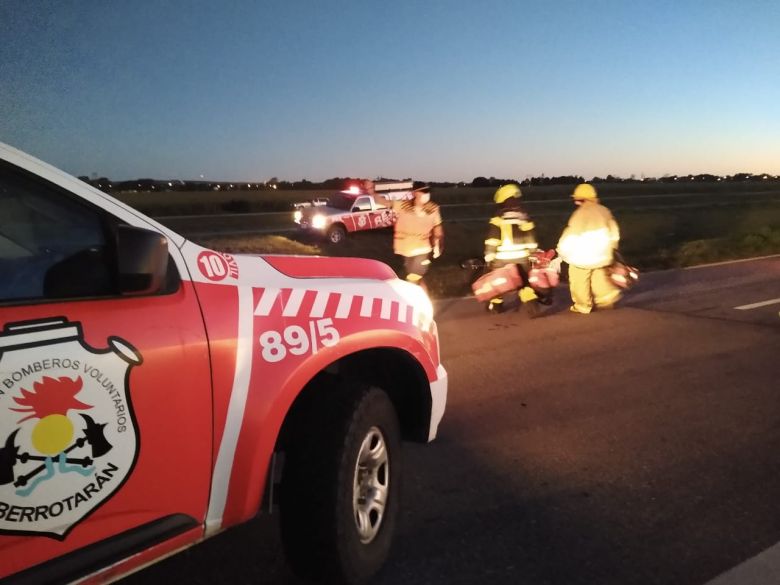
[(217, 266)]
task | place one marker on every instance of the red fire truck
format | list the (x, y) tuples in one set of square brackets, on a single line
[(153, 391), (351, 210)]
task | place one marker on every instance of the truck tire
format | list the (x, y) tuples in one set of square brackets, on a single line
[(336, 234), (340, 489)]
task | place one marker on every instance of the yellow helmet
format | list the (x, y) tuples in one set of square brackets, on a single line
[(585, 192), (506, 192)]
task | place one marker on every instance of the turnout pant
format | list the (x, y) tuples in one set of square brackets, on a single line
[(591, 286)]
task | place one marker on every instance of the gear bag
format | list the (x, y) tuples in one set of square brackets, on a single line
[(497, 282)]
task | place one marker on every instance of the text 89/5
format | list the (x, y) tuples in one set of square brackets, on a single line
[(296, 340)]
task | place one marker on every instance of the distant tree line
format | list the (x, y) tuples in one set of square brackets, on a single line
[(273, 184), (339, 183), (576, 179)]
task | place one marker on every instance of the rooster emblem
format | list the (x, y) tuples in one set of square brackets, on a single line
[(69, 437)]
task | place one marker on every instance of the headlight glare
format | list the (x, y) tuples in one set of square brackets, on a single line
[(318, 221)]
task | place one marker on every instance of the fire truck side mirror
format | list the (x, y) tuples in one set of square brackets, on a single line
[(142, 260)]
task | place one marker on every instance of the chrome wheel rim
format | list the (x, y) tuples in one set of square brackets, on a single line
[(371, 485)]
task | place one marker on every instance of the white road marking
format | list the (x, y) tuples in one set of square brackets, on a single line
[(757, 305), (725, 262), (762, 569)]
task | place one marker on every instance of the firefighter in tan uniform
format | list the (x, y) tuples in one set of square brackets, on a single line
[(511, 239), (418, 234), (587, 245)]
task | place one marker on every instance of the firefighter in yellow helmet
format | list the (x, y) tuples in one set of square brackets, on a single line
[(511, 239), (587, 245)]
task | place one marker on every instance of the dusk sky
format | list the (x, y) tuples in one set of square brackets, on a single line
[(433, 90)]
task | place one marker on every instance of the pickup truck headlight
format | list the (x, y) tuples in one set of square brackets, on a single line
[(297, 216), (318, 221)]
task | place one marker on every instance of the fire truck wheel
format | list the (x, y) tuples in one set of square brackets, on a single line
[(340, 494), (336, 234)]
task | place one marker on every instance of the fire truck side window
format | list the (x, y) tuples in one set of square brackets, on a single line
[(362, 204), (51, 246)]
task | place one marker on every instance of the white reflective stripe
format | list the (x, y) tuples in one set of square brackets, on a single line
[(591, 249), (403, 312), (318, 310), (266, 302), (293, 304), (387, 306), (223, 468), (345, 304), (510, 246), (366, 306), (418, 251), (417, 317), (511, 255)]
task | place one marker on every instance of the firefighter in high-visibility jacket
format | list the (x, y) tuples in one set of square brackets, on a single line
[(511, 239), (418, 235), (588, 244)]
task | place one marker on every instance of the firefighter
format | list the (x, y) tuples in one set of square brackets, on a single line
[(511, 239), (587, 245), (418, 234)]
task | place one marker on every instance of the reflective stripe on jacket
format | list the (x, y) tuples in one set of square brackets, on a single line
[(590, 237), (415, 228), (510, 237)]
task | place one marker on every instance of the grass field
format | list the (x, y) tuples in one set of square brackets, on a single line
[(663, 225), (651, 239), (218, 202)]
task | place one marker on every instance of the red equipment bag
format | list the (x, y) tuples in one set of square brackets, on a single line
[(497, 282), (621, 274)]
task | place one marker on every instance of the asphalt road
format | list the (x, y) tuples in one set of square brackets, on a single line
[(636, 446)]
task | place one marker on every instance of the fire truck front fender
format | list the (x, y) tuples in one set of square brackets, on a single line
[(272, 421)]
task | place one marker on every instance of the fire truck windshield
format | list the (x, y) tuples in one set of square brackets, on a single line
[(341, 201)]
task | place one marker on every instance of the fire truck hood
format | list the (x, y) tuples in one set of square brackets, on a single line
[(324, 267), (322, 210)]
